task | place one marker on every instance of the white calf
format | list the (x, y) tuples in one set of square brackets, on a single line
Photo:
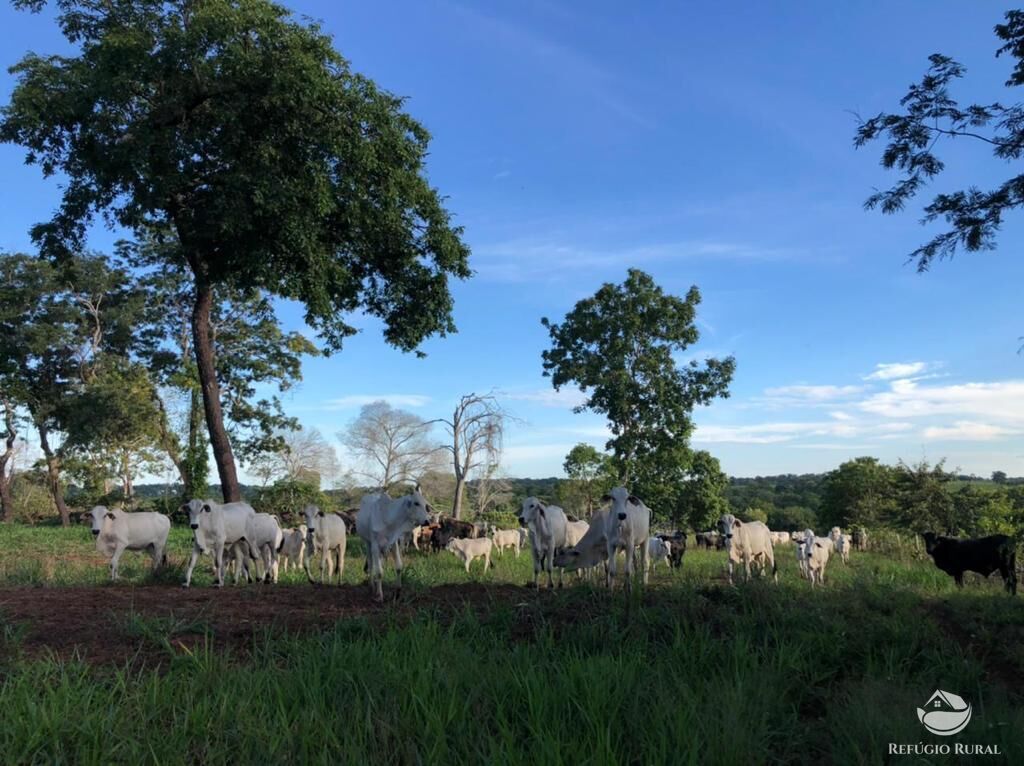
[(781, 538), (817, 553), (116, 532), (264, 535), (628, 528), (293, 549), (658, 550), (547, 525), (843, 546), (469, 549), (507, 538), (326, 533), (748, 542), (214, 528)]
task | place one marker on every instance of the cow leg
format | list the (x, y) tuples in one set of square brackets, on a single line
[(196, 551), (115, 560), (398, 565), (377, 573), (645, 560), (218, 560), (326, 565), (158, 557)]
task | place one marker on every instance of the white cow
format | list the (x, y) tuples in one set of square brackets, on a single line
[(843, 547), (629, 527), (658, 550), (293, 550), (574, 531), (214, 528), (781, 538), (524, 537), (116, 532), (801, 552), (469, 549), (591, 550), (326, 534), (507, 538), (746, 542), (547, 525), (817, 554), (265, 537), (382, 522), (834, 533)]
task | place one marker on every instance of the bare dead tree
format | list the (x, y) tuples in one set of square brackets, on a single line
[(394, 445), (490, 488), (305, 453), (475, 433)]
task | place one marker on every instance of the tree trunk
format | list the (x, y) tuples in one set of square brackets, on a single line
[(195, 468), (460, 486), (10, 437), (206, 361), (53, 474), (6, 498)]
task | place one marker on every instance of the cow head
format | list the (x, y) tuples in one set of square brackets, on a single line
[(931, 542), (620, 497), (195, 510), (98, 515), (727, 526), (532, 511), (313, 515)]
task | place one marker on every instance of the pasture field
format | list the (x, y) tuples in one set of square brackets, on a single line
[(479, 669)]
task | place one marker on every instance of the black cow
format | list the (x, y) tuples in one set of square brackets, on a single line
[(677, 543), (984, 556)]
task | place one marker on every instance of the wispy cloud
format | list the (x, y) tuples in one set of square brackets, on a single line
[(802, 395), (502, 174), (522, 260), (896, 370), (779, 432), (996, 401), (565, 398), (358, 400), (966, 430)]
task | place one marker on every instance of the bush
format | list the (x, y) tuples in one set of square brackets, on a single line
[(31, 498), (288, 499)]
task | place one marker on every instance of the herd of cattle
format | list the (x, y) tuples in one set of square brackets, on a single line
[(238, 538)]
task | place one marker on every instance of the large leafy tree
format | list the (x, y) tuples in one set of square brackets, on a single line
[(860, 492), (619, 347), (590, 475), (245, 133), (929, 115)]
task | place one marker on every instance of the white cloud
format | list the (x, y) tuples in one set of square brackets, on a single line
[(812, 393), (1000, 401), (359, 400), (965, 430), (892, 371), (775, 433), (566, 397), (841, 415)]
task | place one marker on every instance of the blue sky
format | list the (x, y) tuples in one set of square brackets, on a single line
[(709, 144)]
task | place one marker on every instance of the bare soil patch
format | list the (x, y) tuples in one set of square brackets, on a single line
[(93, 622)]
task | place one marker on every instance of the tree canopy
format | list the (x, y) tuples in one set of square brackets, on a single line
[(930, 113), (246, 134)]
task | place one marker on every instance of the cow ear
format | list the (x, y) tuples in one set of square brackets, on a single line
[(737, 523), (606, 498), (635, 500), (206, 507), (108, 515), (320, 513), (416, 488), (184, 508), (541, 509)]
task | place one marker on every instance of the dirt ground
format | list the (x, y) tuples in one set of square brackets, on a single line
[(95, 623)]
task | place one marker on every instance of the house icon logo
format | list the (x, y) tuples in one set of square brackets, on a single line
[(945, 713)]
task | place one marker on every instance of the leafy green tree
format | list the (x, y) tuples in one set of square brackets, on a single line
[(703, 491), (860, 492), (618, 347), (591, 475), (243, 131), (924, 500), (57, 326), (999, 477), (792, 518), (929, 114)]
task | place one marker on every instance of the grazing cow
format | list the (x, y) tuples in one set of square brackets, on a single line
[(547, 527), (469, 549), (984, 555), (816, 552), (678, 547), (574, 531), (860, 539), (781, 538), (381, 523), (293, 549), (215, 527), (349, 517), (748, 541), (843, 546), (507, 538), (326, 533), (629, 527), (116, 532), (454, 528), (658, 549), (589, 551)]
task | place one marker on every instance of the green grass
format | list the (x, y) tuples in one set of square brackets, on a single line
[(696, 673)]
